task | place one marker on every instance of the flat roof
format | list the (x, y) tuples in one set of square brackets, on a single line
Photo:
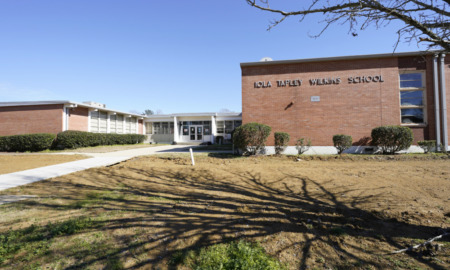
[(63, 102), (231, 114), (338, 58)]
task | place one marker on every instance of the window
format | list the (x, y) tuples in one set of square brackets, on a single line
[(148, 128), (103, 122), (412, 98), (237, 123), (220, 125), (133, 128), (206, 127), (128, 125), (228, 127), (163, 128), (185, 130), (156, 128), (94, 121), (120, 124), (112, 123)]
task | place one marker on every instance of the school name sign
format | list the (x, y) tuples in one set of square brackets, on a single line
[(320, 81)]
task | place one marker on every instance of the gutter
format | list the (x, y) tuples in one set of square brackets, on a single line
[(436, 102), (444, 101)]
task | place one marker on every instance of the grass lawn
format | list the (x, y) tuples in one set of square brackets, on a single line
[(159, 212)]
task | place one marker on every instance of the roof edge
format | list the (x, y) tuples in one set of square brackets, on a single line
[(337, 58), (63, 102)]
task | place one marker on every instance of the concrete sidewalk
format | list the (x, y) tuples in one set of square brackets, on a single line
[(15, 179)]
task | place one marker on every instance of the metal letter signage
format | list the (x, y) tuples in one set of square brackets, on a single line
[(320, 81), (365, 79)]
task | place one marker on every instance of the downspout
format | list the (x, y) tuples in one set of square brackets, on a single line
[(444, 103), (436, 102)]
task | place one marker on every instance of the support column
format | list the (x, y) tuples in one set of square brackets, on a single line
[(175, 129), (213, 129)]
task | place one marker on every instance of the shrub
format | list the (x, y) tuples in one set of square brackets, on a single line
[(427, 145), (303, 145), (75, 139), (234, 255), (392, 139), (281, 141), (342, 142), (27, 142), (251, 137)]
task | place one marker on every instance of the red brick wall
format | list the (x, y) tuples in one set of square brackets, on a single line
[(31, 119), (78, 118), (348, 108), (140, 126)]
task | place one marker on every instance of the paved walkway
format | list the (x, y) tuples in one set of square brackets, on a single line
[(98, 160)]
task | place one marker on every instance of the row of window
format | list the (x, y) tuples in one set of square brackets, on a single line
[(227, 126), (99, 123), (223, 127)]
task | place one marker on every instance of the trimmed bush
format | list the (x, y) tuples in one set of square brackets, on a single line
[(392, 139), (76, 139), (281, 141), (342, 142), (303, 145), (251, 137), (427, 145), (26, 142)]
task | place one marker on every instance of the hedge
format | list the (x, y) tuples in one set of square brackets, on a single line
[(76, 139), (281, 141), (342, 142), (26, 142), (427, 145), (251, 137), (392, 139)]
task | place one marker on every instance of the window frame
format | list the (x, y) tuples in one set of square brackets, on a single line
[(423, 107)]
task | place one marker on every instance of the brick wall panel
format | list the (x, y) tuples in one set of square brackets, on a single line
[(31, 119), (353, 109), (78, 119)]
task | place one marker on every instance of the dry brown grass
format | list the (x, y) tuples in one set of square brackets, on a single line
[(339, 214), (19, 162)]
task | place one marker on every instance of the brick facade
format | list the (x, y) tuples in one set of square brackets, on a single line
[(344, 107), (31, 119), (52, 117), (78, 118)]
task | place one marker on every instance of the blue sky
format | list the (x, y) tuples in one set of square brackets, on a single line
[(168, 56)]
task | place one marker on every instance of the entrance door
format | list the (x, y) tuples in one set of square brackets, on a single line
[(196, 133)]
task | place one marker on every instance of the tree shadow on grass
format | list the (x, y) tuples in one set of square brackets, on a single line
[(296, 218)]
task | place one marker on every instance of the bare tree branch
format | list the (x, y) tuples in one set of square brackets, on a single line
[(424, 21)]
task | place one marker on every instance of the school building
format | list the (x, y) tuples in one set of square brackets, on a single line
[(320, 97), (308, 98)]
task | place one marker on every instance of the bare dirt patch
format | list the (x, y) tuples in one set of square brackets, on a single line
[(334, 214), (14, 163)]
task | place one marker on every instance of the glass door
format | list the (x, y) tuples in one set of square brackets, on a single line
[(192, 133), (196, 133), (199, 133)]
